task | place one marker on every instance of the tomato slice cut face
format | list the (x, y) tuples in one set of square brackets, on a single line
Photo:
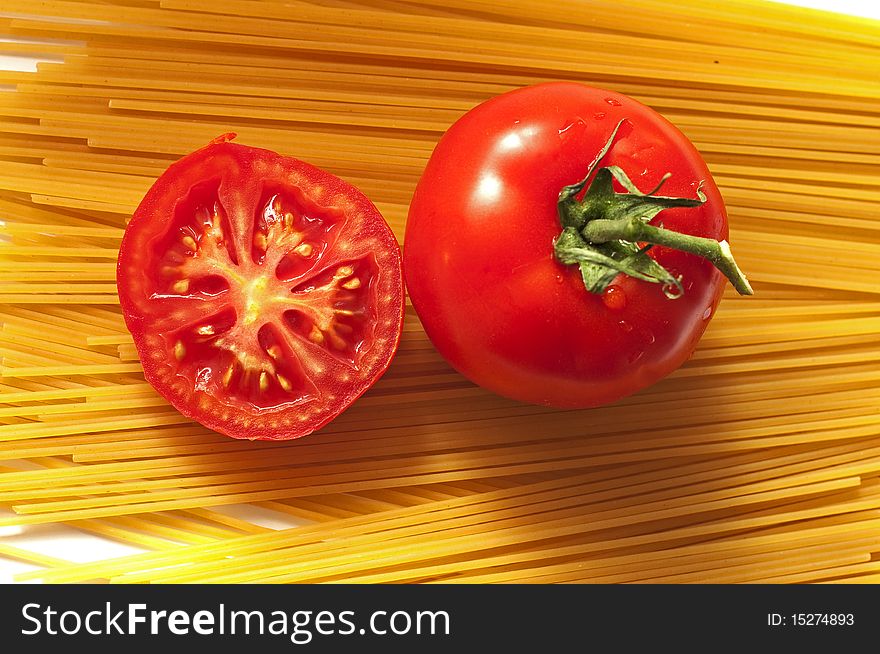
[(264, 295)]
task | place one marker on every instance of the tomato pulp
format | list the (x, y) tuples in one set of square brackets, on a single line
[(264, 295), (480, 260)]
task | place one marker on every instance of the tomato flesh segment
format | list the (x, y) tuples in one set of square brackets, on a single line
[(331, 309), (259, 322)]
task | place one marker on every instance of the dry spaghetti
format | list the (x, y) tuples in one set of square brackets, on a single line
[(758, 461)]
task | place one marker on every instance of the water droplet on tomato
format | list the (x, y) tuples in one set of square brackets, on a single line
[(648, 336), (707, 313), (612, 102), (577, 121), (559, 279), (625, 326), (614, 298), (203, 379), (599, 115), (635, 356)]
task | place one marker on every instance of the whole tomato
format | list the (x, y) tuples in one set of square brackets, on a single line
[(532, 269)]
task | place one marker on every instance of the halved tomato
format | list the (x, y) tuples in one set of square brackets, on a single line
[(264, 295)]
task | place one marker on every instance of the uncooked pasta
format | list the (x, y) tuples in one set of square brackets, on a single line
[(757, 461)]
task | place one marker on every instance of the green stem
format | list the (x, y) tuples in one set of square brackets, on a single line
[(602, 230), (636, 231)]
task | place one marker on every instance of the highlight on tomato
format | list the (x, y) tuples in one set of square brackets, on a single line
[(566, 246), (264, 295)]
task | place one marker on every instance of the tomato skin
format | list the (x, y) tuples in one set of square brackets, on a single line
[(240, 176), (479, 258)]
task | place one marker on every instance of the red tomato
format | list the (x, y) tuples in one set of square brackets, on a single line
[(479, 254), (264, 295)]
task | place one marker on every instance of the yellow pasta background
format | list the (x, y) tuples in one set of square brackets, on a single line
[(758, 461)]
